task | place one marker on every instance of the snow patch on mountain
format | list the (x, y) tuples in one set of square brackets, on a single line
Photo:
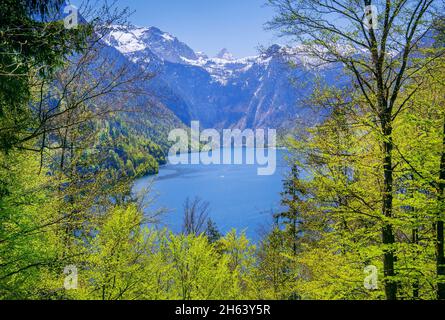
[(125, 40), (130, 40)]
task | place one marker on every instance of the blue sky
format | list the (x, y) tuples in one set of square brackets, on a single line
[(207, 25)]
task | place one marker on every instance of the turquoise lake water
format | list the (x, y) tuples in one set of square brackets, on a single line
[(239, 198)]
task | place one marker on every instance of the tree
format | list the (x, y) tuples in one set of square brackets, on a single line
[(54, 94), (381, 63), (196, 213), (422, 149), (33, 43), (276, 272), (293, 199), (212, 231)]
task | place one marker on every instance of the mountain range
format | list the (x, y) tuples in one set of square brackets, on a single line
[(263, 91)]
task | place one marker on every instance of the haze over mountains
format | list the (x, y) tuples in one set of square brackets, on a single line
[(261, 91)]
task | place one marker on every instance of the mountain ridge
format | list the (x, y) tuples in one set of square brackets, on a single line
[(262, 91)]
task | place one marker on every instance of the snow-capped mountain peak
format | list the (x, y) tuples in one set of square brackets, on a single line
[(132, 40), (224, 54)]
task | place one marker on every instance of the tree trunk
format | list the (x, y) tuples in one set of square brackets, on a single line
[(387, 230), (440, 256), (440, 261), (416, 286)]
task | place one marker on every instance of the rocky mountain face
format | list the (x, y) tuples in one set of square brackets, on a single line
[(262, 91)]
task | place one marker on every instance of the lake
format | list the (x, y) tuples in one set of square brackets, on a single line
[(239, 198)]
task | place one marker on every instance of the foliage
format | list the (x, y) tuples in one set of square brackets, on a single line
[(366, 187)]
